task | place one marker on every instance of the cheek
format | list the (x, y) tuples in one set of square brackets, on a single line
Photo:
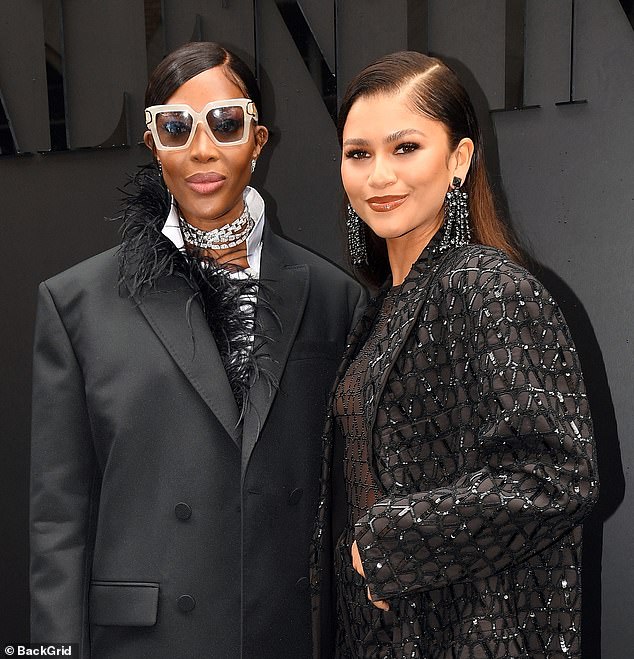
[(243, 160), (172, 165), (431, 174), (352, 180), (239, 160)]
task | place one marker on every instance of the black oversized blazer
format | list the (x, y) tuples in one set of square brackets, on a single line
[(160, 525)]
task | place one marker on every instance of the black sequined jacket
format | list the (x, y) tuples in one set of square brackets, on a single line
[(482, 444)]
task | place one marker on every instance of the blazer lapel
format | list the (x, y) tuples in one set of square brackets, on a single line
[(399, 327), (180, 324), (281, 302), (415, 292)]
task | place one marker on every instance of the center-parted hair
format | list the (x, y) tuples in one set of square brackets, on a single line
[(433, 90), (193, 58)]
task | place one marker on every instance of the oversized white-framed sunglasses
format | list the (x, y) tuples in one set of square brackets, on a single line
[(227, 122)]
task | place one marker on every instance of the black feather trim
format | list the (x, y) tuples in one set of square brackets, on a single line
[(146, 256)]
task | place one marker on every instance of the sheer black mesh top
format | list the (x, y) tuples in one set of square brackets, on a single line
[(361, 628), (469, 468), (361, 483)]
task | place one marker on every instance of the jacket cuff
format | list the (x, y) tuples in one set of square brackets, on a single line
[(389, 570)]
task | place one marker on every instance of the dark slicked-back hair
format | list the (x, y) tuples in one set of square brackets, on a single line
[(433, 90), (193, 58)]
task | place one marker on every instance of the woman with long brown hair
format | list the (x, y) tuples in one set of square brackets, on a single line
[(459, 447)]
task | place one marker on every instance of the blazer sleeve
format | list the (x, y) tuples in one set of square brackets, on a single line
[(533, 477), (62, 480)]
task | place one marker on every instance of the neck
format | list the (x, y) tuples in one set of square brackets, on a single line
[(403, 251), (227, 236), (211, 223)]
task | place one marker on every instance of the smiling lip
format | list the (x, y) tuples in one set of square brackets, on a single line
[(205, 183), (385, 204)]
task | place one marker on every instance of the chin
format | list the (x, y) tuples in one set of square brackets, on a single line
[(205, 211), (390, 233)]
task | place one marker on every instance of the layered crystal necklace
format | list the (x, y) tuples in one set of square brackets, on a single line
[(223, 237)]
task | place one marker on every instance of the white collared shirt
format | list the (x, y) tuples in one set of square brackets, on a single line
[(253, 199)]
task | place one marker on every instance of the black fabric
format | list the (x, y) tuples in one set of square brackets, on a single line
[(123, 604), (478, 429), (133, 414), (146, 255), (362, 491)]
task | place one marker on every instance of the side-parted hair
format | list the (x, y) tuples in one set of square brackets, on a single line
[(193, 58), (434, 91)]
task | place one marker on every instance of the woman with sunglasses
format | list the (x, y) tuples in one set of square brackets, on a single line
[(459, 439), (179, 391)]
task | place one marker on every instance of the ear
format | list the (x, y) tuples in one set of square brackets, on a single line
[(261, 138), (462, 158), (149, 142)]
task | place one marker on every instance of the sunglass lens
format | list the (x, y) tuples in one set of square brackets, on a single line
[(227, 123), (173, 128)]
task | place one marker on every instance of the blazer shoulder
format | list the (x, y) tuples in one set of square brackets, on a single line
[(485, 257), (295, 254), (485, 276), (485, 268), (92, 273)]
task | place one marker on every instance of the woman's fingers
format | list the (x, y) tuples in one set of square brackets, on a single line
[(356, 559), (358, 566), (380, 604)]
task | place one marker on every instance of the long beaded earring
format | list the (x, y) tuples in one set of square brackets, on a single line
[(457, 227), (356, 238)]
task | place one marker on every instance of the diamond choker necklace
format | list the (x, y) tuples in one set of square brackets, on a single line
[(224, 237)]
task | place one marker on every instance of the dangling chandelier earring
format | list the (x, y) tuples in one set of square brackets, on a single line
[(456, 226), (253, 163), (356, 238)]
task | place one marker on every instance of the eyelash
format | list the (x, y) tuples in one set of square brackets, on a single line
[(407, 147), (404, 149), (356, 154)]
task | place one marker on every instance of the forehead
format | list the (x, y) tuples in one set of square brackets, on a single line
[(210, 85), (379, 115)]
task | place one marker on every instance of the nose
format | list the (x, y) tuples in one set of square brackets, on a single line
[(203, 148), (382, 174)]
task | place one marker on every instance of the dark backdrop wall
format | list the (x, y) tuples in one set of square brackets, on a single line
[(553, 80)]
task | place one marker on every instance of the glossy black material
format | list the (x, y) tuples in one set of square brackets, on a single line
[(182, 511), (566, 196), (469, 464)]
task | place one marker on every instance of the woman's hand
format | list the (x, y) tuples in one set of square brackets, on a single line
[(358, 566)]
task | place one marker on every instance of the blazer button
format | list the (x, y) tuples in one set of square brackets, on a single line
[(186, 603), (295, 496), (303, 583), (182, 511)]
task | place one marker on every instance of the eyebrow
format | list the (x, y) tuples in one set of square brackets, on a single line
[(392, 137), (400, 134), (356, 142)]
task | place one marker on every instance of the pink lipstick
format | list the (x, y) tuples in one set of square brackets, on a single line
[(205, 183)]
